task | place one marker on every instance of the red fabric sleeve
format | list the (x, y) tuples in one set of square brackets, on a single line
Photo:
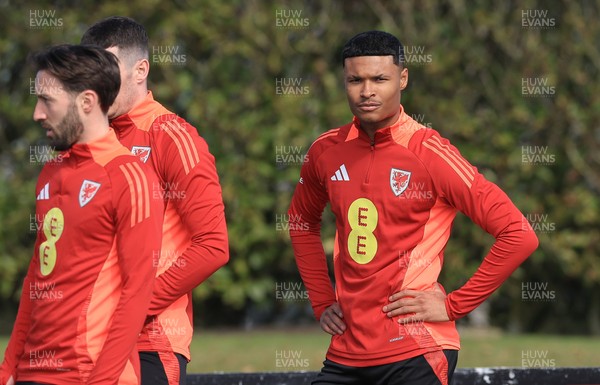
[(305, 215), (15, 347), (188, 167), (138, 244), (459, 183)]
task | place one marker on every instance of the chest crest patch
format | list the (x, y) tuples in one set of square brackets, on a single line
[(141, 152), (87, 191), (399, 180)]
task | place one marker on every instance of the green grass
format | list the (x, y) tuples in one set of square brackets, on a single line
[(304, 349), (484, 349)]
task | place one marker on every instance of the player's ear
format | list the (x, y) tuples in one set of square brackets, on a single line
[(87, 100), (141, 71), (403, 78)]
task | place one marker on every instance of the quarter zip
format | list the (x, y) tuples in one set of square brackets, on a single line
[(368, 177)]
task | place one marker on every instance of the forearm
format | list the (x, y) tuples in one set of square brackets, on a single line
[(312, 264), (201, 214), (16, 343), (206, 254), (508, 252)]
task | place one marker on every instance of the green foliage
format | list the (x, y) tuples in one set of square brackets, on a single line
[(471, 90)]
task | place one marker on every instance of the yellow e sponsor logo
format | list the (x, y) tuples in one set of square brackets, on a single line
[(362, 218), (53, 226)]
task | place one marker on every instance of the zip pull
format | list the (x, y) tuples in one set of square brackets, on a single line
[(372, 158)]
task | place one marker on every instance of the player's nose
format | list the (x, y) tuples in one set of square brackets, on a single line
[(38, 112), (367, 90)]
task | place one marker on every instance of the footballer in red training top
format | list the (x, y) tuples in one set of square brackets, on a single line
[(87, 290), (395, 187), (194, 243)]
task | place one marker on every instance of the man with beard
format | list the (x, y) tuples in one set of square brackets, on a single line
[(88, 285)]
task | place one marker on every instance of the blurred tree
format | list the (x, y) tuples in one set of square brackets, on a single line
[(262, 79)]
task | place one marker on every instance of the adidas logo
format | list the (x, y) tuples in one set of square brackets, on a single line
[(341, 175), (44, 193)]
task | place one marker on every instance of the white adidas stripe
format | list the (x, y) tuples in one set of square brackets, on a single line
[(341, 174), (44, 192), (344, 172)]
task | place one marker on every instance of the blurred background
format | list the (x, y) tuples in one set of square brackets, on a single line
[(514, 85)]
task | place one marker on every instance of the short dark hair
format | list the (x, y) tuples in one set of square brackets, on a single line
[(374, 43), (118, 31), (82, 67)]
